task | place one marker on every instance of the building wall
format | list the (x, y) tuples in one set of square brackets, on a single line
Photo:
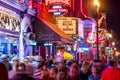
[(9, 29)]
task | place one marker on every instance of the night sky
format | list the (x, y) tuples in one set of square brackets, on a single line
[(112, 9)]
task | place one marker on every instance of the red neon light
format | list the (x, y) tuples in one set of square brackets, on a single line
[(57, 10), (62, 10), (52, 10), (81, 9), (67, 2)]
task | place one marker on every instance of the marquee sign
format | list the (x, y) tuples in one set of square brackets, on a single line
[(9, 19), (58, 9), (66, 2), (67, 24)]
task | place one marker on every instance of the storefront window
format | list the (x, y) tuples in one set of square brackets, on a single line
[(8, 45)]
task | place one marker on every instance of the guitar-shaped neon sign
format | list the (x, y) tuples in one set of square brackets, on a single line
[(92, 35), (91, 38)]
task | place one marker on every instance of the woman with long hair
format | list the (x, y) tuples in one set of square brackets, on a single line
[(94, 73)]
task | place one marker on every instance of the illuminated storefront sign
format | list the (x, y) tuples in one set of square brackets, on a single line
[(67, 2), (48, 44), (91, 38), (87, 23), (58, 7), (80, 28), (95, 45), (67, 24), (84, 49), (91, 35), (101, 38), (9, 19), (58, 10), (102, 35)]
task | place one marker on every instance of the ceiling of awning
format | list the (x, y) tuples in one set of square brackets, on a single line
[(47, 31)]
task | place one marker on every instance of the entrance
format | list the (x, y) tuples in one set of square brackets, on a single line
[(8, 45)]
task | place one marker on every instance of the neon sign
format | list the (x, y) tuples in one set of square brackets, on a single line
[(87, 23), (58, 10), (84, 49), (91, 38), (102, 35), (101, 38), (92, 35), (67, 2)]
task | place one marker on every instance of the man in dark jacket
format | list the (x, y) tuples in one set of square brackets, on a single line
[(5, 60)]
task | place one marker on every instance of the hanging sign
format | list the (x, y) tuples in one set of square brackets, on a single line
[(58, 9)]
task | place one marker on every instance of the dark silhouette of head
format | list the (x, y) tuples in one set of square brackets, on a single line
[(111, 63), (3, 72)]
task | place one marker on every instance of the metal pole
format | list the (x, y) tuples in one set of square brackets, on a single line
[(97, 36), (97, 33)]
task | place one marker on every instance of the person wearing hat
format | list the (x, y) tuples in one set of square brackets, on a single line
[(5, 60)]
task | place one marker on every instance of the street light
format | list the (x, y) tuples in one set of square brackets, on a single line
[(109, 35), (97, 4), (113, 43)]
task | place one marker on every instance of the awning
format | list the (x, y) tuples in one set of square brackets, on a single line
[(68, 55), (61, 54), (55, 30)]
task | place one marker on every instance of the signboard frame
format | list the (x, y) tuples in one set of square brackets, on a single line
[(68, 25)]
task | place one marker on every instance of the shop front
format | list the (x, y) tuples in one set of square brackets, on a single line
[(8, 45), (48, 36), (9, 31)]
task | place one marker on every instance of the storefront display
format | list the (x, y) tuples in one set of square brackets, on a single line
[(9, 31), (8, 45)]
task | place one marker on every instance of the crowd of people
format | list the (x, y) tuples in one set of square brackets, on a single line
[(38, 68)]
